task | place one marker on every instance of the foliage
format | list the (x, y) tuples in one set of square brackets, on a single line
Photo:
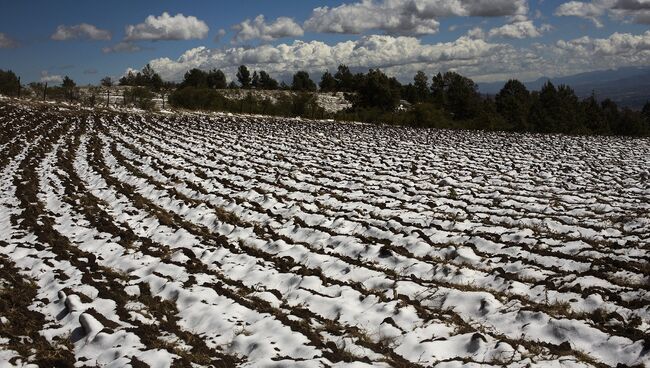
[(344, 79), (513, 103), (146, 78), (296, 104), (421, 87), (456, 94), (376, 90), (266, 81), (244, 76), (327, 83), (9, 83), (139, 97), (302, 82), (214, 79), (106, 82), (70, 89)]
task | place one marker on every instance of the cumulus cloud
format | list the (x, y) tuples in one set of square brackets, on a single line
[(637, 11), (6, 42), (476, 32), (519, 29), (258, 28), (166, 27), (618, 44), (405, 17), (220, 33), (124, 46), (80, 31), (591, 11), (46, 77), (400, 56)]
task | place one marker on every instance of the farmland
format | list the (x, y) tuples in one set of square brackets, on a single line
[(198, 240)]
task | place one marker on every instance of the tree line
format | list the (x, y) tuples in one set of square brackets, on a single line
[(444, 100)]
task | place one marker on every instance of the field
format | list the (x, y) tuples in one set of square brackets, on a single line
[(198, 240)]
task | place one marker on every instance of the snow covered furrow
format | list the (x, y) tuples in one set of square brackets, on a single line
[(218, 258), (195, 240), (508, 224), (566, 298), (159, 194)]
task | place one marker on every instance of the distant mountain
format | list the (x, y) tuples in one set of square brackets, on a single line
[(629, 86)]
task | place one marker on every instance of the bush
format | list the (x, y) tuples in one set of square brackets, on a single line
[(9, 83), (140, 97)]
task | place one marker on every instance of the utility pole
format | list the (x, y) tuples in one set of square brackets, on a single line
[(44, 91)]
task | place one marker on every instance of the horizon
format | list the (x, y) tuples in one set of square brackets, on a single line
[(486, 41)]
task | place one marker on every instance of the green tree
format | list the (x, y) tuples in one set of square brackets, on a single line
[(421, 87), (409, 93), (302, 82), (216, 79), (545, 109), (438, 90), (69, 88), (645, 112), (594, 118), (344, 79), (377, 90), (267, 82), (145, 78), (327, 82), (255, 81), (151, 79), (9, 83), (244, 76), (568, 116), (461, 97), (631, 123), (140, 97), (513, 103), (195, 78), (107, 83)]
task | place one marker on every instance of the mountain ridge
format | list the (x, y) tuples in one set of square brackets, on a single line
[(627, 86)]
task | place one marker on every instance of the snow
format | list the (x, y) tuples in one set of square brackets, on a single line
[(278, 242)]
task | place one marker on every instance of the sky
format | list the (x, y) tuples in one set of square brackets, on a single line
[(487, 40)]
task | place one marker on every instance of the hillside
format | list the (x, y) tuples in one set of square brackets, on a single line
[(629, 87)]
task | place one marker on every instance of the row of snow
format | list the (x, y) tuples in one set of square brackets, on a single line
[(293, 244)]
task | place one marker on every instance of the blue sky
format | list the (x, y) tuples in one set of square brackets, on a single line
[(487, 40)]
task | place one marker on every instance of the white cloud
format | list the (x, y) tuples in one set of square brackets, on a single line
[(518, 29), (166, 27), (398, 55), (6, 42), (124, 46), (476, 32), (591, 11), (219, 35), (637, 11), (80, 31), (616, 45), (259, 29), (47, 78), (405, 17), (470, 55)]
